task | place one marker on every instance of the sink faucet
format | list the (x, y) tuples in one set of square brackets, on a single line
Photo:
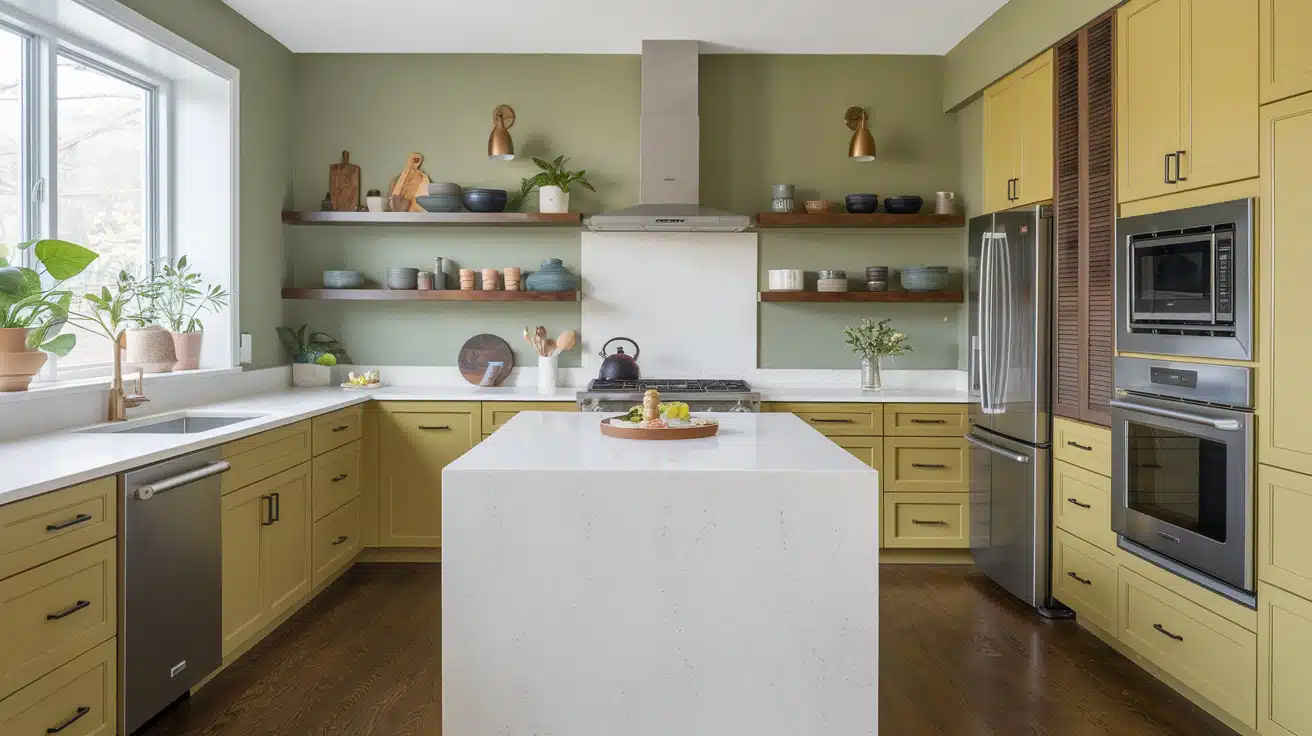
[(119, 400)]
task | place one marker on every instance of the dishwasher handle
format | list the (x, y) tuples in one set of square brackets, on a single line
[(148, 491)]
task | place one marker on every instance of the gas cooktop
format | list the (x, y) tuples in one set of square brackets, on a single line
[(672, 385)]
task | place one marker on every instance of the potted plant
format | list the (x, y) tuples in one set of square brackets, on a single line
[(313, 356), (552, 184), (32, 313), (148, 344), (183, 296), (872, 342)]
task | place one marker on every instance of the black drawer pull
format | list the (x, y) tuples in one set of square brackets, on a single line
[(435, 427), (268, 519), (1078, 579), (340, 478), (938, 466), (934, 522), (929, 421), (1081, 505), (277, 506), (68, 611), (1159, 627), (81, 711), (818, 420), (79, 519), (341, 428), (1078, 446), (339, 540)]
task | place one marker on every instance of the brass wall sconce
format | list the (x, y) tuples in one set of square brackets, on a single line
[(862, 146), (499, 145)]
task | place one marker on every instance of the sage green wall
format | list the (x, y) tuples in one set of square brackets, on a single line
[(266, 165), (1014, 34)]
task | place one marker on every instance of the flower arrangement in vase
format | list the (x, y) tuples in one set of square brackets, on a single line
[(872, 342)]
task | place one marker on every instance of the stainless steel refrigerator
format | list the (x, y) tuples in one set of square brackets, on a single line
[(1008, 299)]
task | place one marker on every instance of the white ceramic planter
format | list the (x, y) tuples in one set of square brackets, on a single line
[(309, 375), (552, 200)]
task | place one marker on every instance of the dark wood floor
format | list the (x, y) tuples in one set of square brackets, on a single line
[(957, 656)]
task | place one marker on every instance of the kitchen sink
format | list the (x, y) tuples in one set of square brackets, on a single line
[(177, 423)]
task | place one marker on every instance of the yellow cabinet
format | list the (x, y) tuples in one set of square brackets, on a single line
[(1284, 663), (1085, 579), (1284, 546), (1082, 505), (1284, 401), (335, 476), (78, 699), (1085, 445), (1018, 134), (39, 529), (266, 553), (268, 453), (925, 420), (418, 440), (1186, 115), (869, 450), (1286, 56), (926, 520), (926, 464), (838, 420), (497, 413), (336, 541), (332, 430)]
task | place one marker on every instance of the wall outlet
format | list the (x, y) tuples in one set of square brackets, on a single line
[(246, 348)]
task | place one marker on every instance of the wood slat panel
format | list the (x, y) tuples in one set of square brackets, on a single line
[(1067, 374), (1100, 218)]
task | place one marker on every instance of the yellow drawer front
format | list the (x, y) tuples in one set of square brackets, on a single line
[(927, 520), (78, 699), (1084, 578), (335, 479), (939, 465), (497, 413), (264, 455), (39, 529), (1284, 663), (1084, 445), (1082, 505), (837, 420), (1207, 653), (53, 613), (925, 420), (869, 450), (336, 541), (331, 431), (1284, 546)]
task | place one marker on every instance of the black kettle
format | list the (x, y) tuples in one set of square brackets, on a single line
[(619, 366)]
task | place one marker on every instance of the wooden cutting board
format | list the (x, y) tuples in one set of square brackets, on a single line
[(344, 184), (412, 182), (478, 352)]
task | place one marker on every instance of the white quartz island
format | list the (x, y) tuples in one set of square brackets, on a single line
[(594, 586)]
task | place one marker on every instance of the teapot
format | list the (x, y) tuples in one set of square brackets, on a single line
[(619, 366)]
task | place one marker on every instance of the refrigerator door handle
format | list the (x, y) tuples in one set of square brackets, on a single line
[(985, 292), (1013, 456)]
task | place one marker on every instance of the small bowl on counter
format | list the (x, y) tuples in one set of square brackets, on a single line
[(342, 279), (861, 204), (784, 279), (817, 206)]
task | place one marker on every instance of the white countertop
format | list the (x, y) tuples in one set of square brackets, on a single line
[(892, 395)]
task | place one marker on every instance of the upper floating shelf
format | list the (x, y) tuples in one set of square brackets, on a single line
[(504, 219), (845, 219), (862, 296), (439, 295)]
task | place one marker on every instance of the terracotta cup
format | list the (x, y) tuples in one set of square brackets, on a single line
[(491, 279)]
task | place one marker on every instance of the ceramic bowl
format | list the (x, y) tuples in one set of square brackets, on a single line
[(403, 279), (831, 285), (342, 279), (861, 204), (485, 200), (832, 274), (785, 279), (817, 206), (925, 278), (445, 187), (905, 205), (441, 202), (782, 191)]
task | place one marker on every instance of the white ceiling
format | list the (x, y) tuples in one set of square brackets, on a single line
[(617, 26)]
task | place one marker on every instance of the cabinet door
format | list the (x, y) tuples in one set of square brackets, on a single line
[(1218, 133), (1284, 432), (1002, 111), (1286, 56), (285, 544), (1149, 96), (1034, 175), (1284, 663), (243, 608), (416, 446)]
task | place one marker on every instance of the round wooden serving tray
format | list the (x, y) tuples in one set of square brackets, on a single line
[(673, 433)]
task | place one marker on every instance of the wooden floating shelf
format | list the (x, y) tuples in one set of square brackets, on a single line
[(444, 295), (862, 296), (845, 219), (504, 219)]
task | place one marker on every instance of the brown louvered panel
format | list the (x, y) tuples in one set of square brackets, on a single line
[(1067, 379), (1100, 217)]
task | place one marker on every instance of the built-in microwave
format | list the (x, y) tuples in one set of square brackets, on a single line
[(1184, 282)]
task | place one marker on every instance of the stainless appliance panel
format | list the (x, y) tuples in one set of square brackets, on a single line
[(170, 582), (1199, 382), (1010, 514)]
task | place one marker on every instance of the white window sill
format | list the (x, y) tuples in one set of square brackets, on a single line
[(55, 389)]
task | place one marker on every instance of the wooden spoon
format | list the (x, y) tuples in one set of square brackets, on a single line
[(541, 341), (566, 341)]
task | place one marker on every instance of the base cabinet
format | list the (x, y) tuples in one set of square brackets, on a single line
[(418, 440), (78, 699), (1084, 578), (1284, 663)]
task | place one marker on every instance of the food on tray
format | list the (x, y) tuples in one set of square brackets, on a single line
[(651, 405), (368, 378)]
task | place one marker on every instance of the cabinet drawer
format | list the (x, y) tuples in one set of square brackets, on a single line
[(266, 454), (39, 529), (926, 520), (53, 613), (837, 420), (1284, 663), (924, 464), (869, 450), (1215, 657), (78, 699), (1084, 445), (338, 428), (335, 479), (925, 420), (336, 541), (497, 413), (1084, 578), (1284, 546), (1082, 505)]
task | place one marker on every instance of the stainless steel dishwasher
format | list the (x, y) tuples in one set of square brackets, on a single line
[(170, 582)]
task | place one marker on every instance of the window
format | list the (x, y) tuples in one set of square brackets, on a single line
[(13, 133)]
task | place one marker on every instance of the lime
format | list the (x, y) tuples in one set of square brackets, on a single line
[(327, 359)]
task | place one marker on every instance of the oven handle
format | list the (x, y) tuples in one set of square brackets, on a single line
[(1014, 456), (1227, 425)]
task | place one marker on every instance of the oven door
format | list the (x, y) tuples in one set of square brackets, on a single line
[(1173, 280), (1182, 484)]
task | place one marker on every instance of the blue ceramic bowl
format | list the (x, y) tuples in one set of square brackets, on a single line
[(485, 200), (440, 202), (342, 279), (861, 204), (906, 205), (551, 276)]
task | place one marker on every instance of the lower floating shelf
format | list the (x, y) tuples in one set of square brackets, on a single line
[(443, 295), (862, 296)]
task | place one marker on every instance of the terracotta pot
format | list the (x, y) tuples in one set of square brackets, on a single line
[(18, 363), (186, 345), (150, 349)]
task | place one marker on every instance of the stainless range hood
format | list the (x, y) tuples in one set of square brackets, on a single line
[(670, 150)]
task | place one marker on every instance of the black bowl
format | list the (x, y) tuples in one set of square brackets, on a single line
[(906, 205), (861, 204), (485, 200)]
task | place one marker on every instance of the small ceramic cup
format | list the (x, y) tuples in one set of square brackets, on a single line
[(491, 279), (466, 279), (425, 281)]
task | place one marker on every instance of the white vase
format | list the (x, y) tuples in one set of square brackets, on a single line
[(871, 375), (552, 199), (548, 373), (309, 375)]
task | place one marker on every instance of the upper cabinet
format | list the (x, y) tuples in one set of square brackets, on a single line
[(1187, 95), (1286, 55), (1018, 137)]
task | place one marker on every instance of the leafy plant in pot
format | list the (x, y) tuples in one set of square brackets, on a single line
[(872, 342), (313, 355), (149, 345), (183, 297), (34, 308), (552, 184)]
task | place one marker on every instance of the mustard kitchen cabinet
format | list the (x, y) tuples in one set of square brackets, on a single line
[(78, 699), (39, 529), (926, 520), (837, 420), (1286, 56), (1284, 663), (418, 440), (1018, 136), (1084, 577), (1284, 546), (1186, 115), (869, 450), (926, 464), (497, 413), (1082, 505)]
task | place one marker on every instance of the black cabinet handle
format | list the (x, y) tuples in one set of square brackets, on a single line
[(934, 522), (277, 505), (79, 519), (1179, 155), (1081, 505), (1167, 177), (339, 540), (1078, 579), (341, 428), (435, 427), (81, 711), (830, 421), (929, 421), (1160, 628), (928, 465), (1078, 446), (268, 516), (340, 478), (68, 611)]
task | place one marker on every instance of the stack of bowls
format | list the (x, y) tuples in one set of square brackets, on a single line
[(861, 204), (403, 279), (925, 278), (832, 281), (342, 279), (442, 197), (876, 278), (904, 205), (485, 200)]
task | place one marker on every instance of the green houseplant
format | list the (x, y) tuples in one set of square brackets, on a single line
[(552, 184), (872, 342), (34, 307), (183, 297), (313, 355)]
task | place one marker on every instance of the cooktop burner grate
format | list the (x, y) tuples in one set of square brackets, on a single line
[(690, 386)]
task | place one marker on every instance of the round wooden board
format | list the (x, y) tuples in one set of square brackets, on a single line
[(480, 350), (672, 433)]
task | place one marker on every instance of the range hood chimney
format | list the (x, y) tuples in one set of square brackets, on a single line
[(669, 152)]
